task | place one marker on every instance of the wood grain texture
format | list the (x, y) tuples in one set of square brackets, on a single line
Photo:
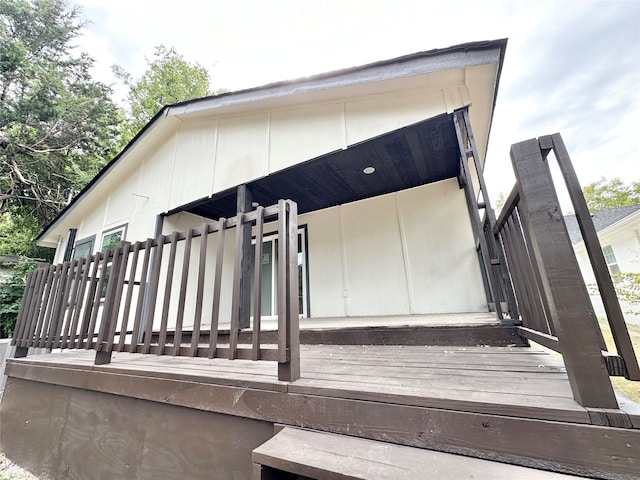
[(570, 308), (338, 457), (58, 432), (509, 404)]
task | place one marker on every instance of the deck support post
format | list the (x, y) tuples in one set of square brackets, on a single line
[(489, 253), (244, 205), (288, 307), (569, 304), (624, 347), (102, 358), (21, 352)]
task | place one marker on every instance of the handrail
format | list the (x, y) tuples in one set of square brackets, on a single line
[(90, 303), (553, 301)]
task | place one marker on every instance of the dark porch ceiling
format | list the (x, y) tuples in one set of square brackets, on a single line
[(421, 153)]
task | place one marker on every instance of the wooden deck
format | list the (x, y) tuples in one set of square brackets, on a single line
[(510, 404)]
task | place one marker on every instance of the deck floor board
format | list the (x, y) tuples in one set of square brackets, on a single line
[(512, 381)]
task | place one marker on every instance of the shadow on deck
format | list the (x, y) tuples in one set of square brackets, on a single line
[(507, 404)]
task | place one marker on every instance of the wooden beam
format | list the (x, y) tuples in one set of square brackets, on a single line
[(596, 257), (570, 307), (244, 205)]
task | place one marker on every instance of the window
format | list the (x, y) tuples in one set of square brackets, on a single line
[(610, 258), (83, 248), (111, 238)]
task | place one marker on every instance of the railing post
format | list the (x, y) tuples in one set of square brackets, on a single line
[(606, 288), (288, 309), (570, 307), (244, 205)]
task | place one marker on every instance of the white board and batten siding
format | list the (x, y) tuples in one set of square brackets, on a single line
[(402, 253)]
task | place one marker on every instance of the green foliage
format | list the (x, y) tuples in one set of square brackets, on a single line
[(169, 79), (18, 233), (628, 289), (605, 194), (11, 291), (57, 126), (627, 286)]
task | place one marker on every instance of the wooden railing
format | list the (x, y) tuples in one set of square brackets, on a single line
[(151, 297), (552, 299)]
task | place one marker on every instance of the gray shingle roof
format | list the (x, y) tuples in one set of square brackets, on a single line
[(601, 220)]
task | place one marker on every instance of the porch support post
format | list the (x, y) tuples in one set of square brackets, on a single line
[(569, 304), (244, 200)]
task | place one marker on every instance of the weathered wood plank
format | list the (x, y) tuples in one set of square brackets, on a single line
[(124, 324), (182, 296), (217, 287), (167, 291), (324, 455), (257, 282), (607, 291), (571, 448), (236, 295), (140, 301), (202, 265), (244, 205), (154, 284), (571, 310)]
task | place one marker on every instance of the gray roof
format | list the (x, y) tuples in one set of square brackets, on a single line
[(601, 220)]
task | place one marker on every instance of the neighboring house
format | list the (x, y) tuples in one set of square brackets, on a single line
[(369, 154), (619, 233)]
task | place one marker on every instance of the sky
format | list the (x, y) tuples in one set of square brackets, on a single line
[(571, 66)]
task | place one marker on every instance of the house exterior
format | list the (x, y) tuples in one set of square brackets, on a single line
[(619, 233), (374, 175), (369, 154)]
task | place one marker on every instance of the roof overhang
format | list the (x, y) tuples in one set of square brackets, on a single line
[(411, 156), (360, 80)]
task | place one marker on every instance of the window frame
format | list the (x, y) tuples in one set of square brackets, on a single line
[(90, 240), (120, 228), (611, 260)]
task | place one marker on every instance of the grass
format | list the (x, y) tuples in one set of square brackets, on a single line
[(630, 389)]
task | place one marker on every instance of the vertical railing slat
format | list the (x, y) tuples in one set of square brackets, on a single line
[(76, 331), (28, 305), (77, 269), (131, 284), (84, 338), (217, 286), (167, 293), (543, 304), (197, 317), (137, 320), (62, 295), (184, 281), (115, 301), (154, 283), (38, 308), (97, 298), (48, 301), (535, 318), (516, 272), (235, 299), (257, 283)]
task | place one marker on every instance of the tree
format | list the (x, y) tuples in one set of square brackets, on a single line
[(58, 127), (605, 194), (169, 79), (11, 290)]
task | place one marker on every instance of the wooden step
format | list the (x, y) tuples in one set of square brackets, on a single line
[(316, 455)]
